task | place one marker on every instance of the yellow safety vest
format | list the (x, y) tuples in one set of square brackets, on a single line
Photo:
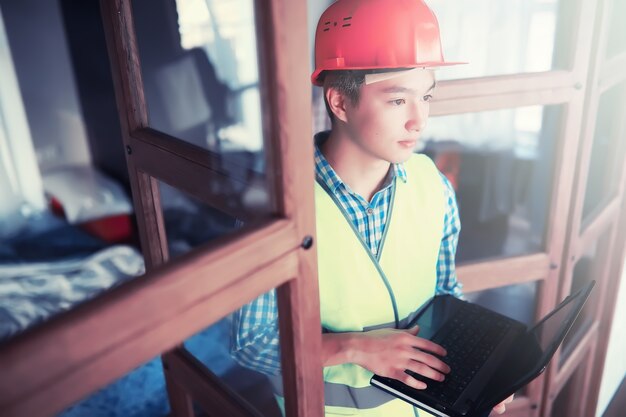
[(360, 291)]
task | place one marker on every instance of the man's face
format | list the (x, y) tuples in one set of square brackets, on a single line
[(389, 118)]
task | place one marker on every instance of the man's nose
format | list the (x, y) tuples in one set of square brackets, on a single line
[(418, 115)]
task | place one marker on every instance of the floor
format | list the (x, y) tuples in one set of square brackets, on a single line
[(142, 393)]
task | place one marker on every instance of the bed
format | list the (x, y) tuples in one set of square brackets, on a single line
[(50, 266)]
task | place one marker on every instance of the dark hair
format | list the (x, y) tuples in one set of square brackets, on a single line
[(348, 83)]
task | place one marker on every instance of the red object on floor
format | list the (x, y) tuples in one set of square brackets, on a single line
[(113, 229), (56, 207)]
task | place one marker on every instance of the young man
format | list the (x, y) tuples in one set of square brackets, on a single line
[(387, 220)]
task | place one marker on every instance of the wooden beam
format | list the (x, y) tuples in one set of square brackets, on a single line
[(287, 86), (607, 215), (181, 402), (503, 85), (213, 396), (206, 184), (615, 273), (481, 103), (196, 155), (498, 273), (126, 69), (78, 352)]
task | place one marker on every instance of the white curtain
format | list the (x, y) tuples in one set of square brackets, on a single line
[(21, 188)]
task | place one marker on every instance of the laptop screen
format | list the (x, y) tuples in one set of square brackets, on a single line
[(528, 358), (550, 330)]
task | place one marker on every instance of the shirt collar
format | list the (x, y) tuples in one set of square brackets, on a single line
[(326, 174)]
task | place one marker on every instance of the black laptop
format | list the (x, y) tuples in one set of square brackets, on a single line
[(491, 355)]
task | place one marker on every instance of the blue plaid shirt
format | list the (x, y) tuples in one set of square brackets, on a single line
[(254, 338)]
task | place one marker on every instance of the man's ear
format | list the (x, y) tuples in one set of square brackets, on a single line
[(337, 103)]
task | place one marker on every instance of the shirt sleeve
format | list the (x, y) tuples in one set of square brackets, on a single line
[(447, 282), (254, 341)]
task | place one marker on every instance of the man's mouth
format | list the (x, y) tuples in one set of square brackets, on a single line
[(408, 143)]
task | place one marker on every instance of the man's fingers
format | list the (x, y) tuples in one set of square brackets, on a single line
[(425, 370), (430, 360), (412, 382), (413, 330), (429, 346), (501, 408)]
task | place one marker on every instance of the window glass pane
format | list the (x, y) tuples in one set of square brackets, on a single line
[(225, 348), (617, 34), (497, 37), (201, 73), (242, 351), (589, 267), (566, 403), (500, 164), (66, 220), (607, 154), (190, 222), (517, 301), (141, 392)]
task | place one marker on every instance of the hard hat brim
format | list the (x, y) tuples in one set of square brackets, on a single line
[(318, 80)]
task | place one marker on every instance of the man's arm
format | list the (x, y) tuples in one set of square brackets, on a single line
[(446, 272), (387, 352), (254, 341)]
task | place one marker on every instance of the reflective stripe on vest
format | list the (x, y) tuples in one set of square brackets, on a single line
[(360, 291)]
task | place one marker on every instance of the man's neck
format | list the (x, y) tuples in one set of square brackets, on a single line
[(361, 171)]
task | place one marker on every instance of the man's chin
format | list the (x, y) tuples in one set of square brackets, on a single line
[(400, 159)]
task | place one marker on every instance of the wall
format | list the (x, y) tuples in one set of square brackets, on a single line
[(88, 52), (18, 185), (315, 8), (615, 365), (46, 79)]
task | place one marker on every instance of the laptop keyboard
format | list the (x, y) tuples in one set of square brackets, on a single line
[(469, 342)]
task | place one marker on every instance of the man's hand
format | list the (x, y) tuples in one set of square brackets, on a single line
[(389, 352), (501, 408)]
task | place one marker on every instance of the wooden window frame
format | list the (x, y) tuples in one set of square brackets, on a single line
[(43, 382), (53, 365), (571, 88), (604, 222), (541, 267)]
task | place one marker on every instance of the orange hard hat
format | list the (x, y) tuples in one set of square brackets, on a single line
[(377, 34)]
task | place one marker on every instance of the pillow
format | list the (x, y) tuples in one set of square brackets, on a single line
[(85, 193)]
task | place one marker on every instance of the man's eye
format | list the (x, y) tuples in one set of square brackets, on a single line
[(398, 102), (427, 97)]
